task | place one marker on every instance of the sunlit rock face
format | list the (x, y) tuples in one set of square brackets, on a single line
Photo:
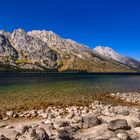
[(45, 50), (110, 53)]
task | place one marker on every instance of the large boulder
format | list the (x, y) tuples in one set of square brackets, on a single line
[(118, 124), (90, 120), (71, 129), (9, 113), (41, 134), (35, 134), (123, 135), (124, 113), (135, 123), (63, 135), (105, 136), (24, 129), (2, 137), (32, 133), (60, 123)]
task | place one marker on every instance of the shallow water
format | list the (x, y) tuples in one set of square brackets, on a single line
[(31, 89)]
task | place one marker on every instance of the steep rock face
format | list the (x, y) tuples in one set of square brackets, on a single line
[(33, 50), (45, 50), (110, 53), (7, 52), (63, 46)]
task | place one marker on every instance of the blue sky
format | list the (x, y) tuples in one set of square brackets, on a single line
[(114, 23)]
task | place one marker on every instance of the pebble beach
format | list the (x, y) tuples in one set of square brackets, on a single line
[(97, 121)]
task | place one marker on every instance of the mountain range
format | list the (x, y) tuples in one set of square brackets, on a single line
[(110, 53), (46, 51)]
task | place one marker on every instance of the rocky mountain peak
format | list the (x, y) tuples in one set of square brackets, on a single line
[(2, 32), (110, 53), (18, 32)]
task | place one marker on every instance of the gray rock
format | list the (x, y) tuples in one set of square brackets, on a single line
[(133, 134), (96, 103), (33, 113), (5, 118), (24, 129), (118, 124), (111, 109), (48, 121), (77, 119), (70, 129), (51, 116), (44, 115), (124, 113), (61, 123), (105, 111), (103, 121), (37, 134), (21, 115), (85, 110), (49, 125), (49, 110), (107, 134), (9, 113), (123, 135), (32, 133), (41, 111), (135, 123), (72, 109), (63, 135), (15, 115), (90, 120), (14, 135), (114, 138), (9, 127), (2, 124), (98, 109), (34, 125), (41, 134), (99, 138), (2, 137), (22, 138), (70, 115)]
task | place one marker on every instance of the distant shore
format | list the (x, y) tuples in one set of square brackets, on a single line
[(69, 72)]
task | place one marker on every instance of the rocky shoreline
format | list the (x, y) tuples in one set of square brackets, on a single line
[(94, 122)]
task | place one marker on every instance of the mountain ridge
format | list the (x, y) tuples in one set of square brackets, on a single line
[(110, 53), (41, 50)]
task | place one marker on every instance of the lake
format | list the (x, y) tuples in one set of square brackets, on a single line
[(34, 90)]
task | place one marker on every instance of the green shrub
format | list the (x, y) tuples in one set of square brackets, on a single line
[(20, 61)]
